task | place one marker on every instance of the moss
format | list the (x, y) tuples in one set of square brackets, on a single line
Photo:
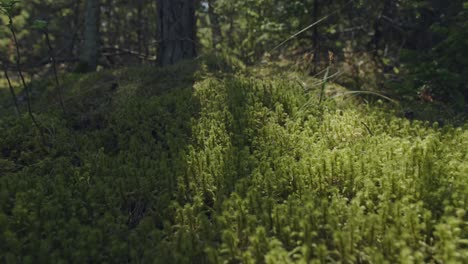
[(180, 165)]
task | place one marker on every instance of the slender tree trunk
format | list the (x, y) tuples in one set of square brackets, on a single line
[(54, 68), (230, 32), (146, 36), (109, 17), (216, 34), (381, 32), (75, 28), (12, 91), (23, 81), (139, 29), (176, 31), (89, 58), (315, 36)]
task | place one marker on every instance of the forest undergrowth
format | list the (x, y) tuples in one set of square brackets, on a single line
[(154, 166)]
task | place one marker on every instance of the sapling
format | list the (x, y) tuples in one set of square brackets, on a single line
[(6, 7), (43, 26)]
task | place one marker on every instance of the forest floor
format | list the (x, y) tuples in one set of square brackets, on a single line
[(190, 164)]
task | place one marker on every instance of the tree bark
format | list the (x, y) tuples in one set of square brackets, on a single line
[(74, 26), (315, 36), (90, 53), (216, 34), (176, 31), (139, 27)]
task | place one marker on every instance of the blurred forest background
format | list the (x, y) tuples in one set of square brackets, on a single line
[(413, 49)]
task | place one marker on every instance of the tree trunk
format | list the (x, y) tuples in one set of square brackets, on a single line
[(75, 29), (176, 31), (139, 28), (315, 36), (215, 26), (89, 57), (383, 32)]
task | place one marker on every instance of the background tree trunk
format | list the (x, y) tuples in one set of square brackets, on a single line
[(176, 31), (315, 36), (74, 26), (139, 28), (89, 57), (215, 26)]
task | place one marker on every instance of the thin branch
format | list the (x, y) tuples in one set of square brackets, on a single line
[(396, 25), (54, 67), (309, 27), (107, 51), (12, 91), (20, 72)]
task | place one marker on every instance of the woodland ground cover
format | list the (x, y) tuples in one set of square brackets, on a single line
[(171, 166)]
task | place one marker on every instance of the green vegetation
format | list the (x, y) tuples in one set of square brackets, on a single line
[(178, 166), (274, 131)]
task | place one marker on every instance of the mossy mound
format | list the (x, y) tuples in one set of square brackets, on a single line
[(173, 167)]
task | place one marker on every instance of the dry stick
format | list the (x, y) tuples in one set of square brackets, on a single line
[(12, 91), (26, 87), (54, 67)]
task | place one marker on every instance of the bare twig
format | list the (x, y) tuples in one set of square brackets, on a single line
[(12, 91), (308, 27), (54, 67), (111, 51), (20, 72)]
